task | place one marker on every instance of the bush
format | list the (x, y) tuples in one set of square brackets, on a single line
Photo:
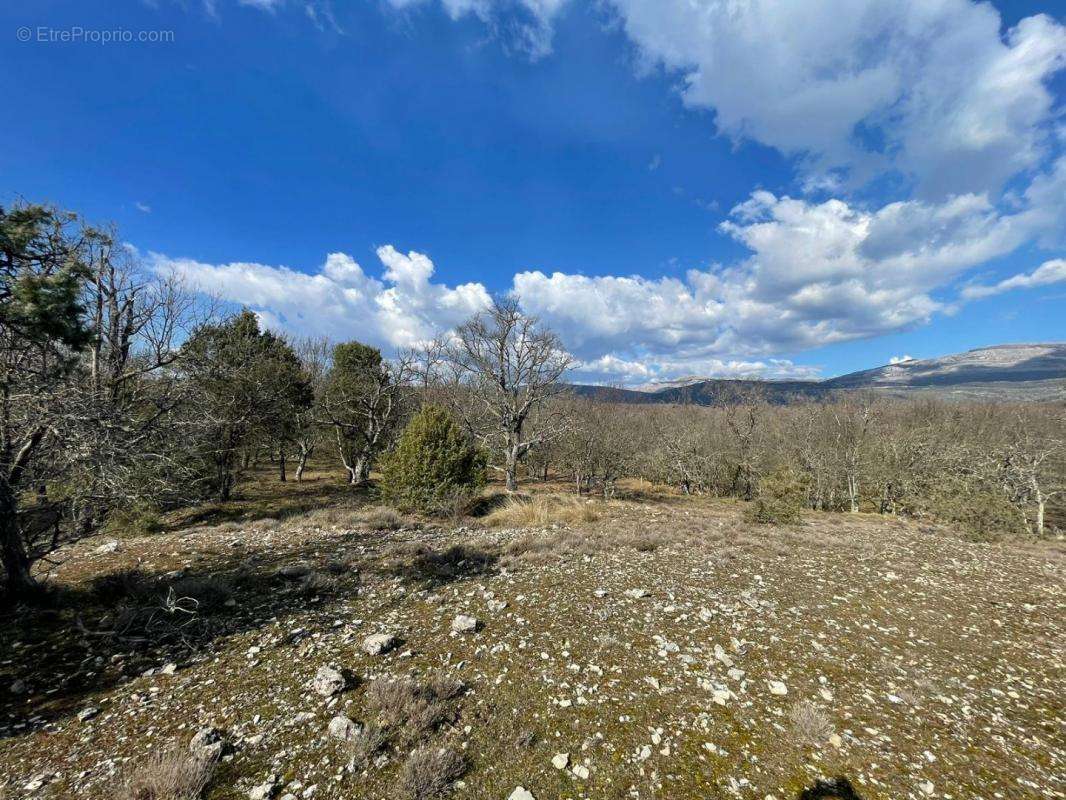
[(429, 772), (432, 465), (166, 775), (779, 500)]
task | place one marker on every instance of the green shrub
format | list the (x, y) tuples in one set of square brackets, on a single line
[(984, 514), (780, 499), (432, 466), (136, 521)]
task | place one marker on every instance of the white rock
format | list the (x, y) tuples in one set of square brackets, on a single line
[(560, 760), (379, 643), (328, 682), (464, 623), (836, 741), (776, 687), (926, 787), (637, 594), (343, 728), (581, 771), (207, 743), (264, 791), (87, 714), (106, 547), (521, 793)]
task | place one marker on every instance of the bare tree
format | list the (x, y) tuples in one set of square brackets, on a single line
[(509, 365), (851, 419)]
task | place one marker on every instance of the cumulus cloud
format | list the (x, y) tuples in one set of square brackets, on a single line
[(1053, 271), (817, 273), (929, 88), (401, 309)]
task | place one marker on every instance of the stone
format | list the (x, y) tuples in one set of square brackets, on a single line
[(637, 594), (722, 655), (379, 643), (560, 760), (207, 743), (778, 688), (521, 793), (836, 741), (18, 687), (581, 771), (168, 669), (328, 682), (294, 572), (343, 728), (265, 790), (87, 714), (106, 547), (496, 606), (464, 623)]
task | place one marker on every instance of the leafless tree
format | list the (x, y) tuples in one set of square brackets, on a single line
[(507, 364)]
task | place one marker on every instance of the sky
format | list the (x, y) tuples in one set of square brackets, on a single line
[(676, 187)]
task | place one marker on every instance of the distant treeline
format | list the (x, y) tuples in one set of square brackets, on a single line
[(123, 394)]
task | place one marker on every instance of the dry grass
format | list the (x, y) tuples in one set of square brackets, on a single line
[(810, 724), (382, 518), (412, 710), (166, 775), (367, 743), (541, 511), (429, 772)]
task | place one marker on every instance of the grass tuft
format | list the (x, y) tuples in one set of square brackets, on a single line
[(541, 511)]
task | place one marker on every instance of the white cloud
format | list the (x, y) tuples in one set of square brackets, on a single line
[(900, 359), (817, 273), (1053, 271), (532, 33), (262, 5), (929, 87), (144, 208), (341, 301)]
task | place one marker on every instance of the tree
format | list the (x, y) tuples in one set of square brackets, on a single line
[(433, 464), (506, 365), (42, 330), (244, 385), (305, 433), (363, 401)]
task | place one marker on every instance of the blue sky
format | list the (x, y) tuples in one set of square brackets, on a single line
[(801, 189)]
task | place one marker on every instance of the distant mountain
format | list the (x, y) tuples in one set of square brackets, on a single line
[(1013, 363), (1002, 372)]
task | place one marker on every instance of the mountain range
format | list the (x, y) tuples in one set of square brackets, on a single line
[(1008, 372)]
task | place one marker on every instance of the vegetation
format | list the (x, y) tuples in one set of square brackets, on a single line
[(126, 397), (433, 466)]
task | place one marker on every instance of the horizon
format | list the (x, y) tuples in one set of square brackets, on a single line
[(674, 190)]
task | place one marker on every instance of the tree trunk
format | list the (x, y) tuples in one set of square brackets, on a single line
[(281, 466), (853, 493), (511, 469), (12, 550), (361, 469), (305, 453)]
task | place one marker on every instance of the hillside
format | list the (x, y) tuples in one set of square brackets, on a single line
[(659, 647), (1011, 372)]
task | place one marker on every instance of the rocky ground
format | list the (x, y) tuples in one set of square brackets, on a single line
[(665, 650)]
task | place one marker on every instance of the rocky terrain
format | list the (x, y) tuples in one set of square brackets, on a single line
[(663, 649)]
